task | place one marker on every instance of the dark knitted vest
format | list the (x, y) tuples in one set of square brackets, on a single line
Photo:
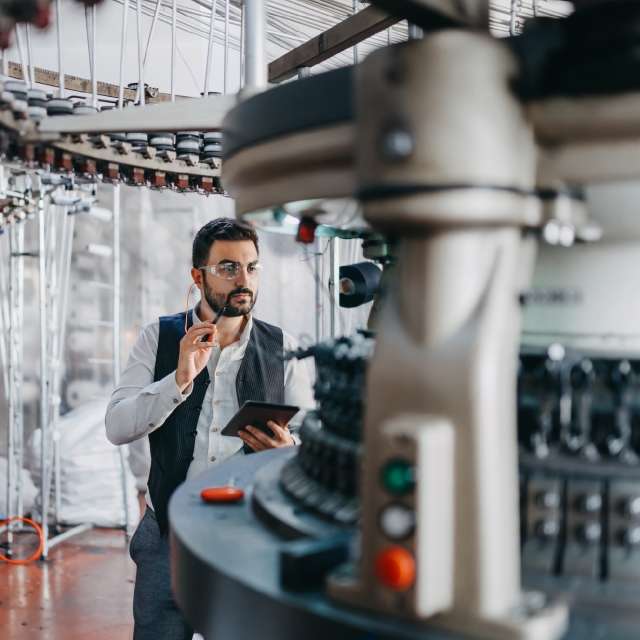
[(261, 378)]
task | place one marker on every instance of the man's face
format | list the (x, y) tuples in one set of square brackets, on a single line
[(243, 287)]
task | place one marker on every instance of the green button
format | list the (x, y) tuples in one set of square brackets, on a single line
[(398, 477)]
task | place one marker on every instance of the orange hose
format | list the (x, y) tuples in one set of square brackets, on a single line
[(37, 553)]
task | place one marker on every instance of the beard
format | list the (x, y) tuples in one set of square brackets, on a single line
[(218, 301)]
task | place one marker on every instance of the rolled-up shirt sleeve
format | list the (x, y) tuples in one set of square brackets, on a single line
[(139, 405)]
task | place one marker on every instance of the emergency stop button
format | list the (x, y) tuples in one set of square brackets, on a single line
[(396, 568), (217, 495)]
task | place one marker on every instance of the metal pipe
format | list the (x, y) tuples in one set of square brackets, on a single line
[(212, 31), (152, 30), (59, 41), (5, 323), (255, 78), (87, 28), (68, 223), (32, 77), (334, 285), (241, 46), (123, 46), (94, 47), (23, 64), (226, 45), (355, 46), (173, 49), (44, 376), (116, 253), (19, 368), (116, 291), (317, 271), (141, 91), (13, 364), (81, 528)]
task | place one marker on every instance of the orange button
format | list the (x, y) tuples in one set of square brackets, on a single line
[(396, 568), (222, 494)]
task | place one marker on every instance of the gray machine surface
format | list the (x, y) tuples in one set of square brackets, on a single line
[(227, 580)]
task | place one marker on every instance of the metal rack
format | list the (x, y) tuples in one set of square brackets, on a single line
[(55, 225)]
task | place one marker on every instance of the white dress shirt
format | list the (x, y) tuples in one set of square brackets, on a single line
[(139, 405)]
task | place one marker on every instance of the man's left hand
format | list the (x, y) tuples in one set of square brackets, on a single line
[(260, 441)]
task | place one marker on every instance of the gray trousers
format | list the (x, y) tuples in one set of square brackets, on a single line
[(155, 613)]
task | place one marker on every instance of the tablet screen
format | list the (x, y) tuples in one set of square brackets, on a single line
[(257, 414)]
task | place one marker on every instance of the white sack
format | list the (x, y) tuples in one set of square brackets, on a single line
[(90, 478)]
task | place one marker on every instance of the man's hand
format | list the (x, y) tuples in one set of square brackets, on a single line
[(259, 441), (195, 351)]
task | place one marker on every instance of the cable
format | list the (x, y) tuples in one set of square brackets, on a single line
[(25, 68), (212, 33), (32, 78), (59, 41), (141, 88), (226, 46), (173, 49), (152, 29), (37, 553), (123, 45)]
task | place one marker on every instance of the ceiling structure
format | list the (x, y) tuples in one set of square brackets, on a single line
[(292, 22)]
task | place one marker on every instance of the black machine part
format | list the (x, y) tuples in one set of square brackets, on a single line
[(359, 283), (227, 572)]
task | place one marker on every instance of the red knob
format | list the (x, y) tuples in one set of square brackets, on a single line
[(396, 568), (222, 494)]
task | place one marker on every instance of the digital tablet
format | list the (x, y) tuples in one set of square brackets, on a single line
[(257, 414)]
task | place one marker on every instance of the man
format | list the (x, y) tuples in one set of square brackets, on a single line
[(185, 378)]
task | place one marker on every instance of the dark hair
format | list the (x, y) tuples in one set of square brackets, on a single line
[(220, 229)]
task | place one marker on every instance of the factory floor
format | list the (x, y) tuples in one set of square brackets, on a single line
[(83, 592)]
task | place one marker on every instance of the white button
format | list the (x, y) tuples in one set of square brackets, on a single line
[(215, 429), (218, 373), (397, 521), (151, 425), (216, 402)]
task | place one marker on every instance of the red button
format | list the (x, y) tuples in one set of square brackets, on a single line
[(222, 494), (396, 568)]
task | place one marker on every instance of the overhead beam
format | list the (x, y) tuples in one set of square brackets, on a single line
[(74, 84), (338, 38)]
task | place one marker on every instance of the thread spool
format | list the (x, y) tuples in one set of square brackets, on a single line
[(59, 107), (359, 283), (188, 143), (162, 141), (16, 90), (138, 141), (17, 93), (84, 109), (37, 104), (212, 145)]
